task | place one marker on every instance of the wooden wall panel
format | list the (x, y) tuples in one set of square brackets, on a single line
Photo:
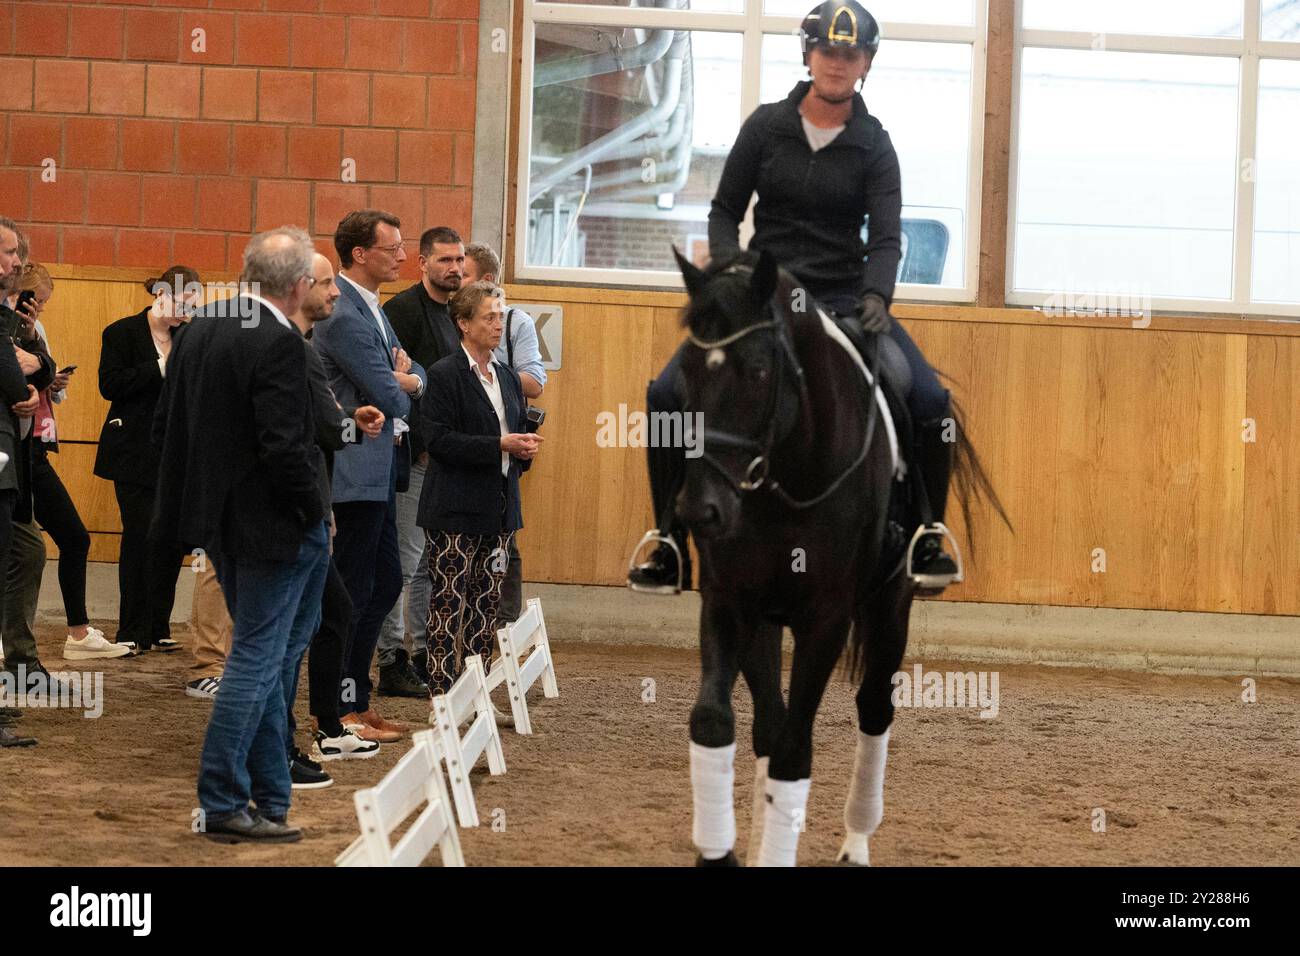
[(1096, 436)]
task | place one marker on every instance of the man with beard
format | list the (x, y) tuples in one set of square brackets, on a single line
[(423, 325)]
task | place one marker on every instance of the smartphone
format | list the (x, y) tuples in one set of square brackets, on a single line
[(65, 371), (28, 295)]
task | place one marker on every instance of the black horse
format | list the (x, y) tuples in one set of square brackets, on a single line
[(790, 508)]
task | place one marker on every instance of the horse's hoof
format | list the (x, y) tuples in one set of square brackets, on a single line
[(854, 852), (728, 860)]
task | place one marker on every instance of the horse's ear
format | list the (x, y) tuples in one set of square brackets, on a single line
[(764, 281), (693, 275)]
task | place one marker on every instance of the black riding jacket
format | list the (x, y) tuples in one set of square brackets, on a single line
[(811, 205)]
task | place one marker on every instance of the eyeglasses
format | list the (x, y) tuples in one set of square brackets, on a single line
[(391, 250), (311, 281)]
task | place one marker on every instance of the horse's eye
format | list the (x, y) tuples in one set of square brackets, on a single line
[(758, 373)]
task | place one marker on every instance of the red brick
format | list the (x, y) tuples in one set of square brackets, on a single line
[(405, 202), (375, 152), (455, 9), (148, 145), (400, 101), (448, 207), (263, 39), (97, 32), (463, 168), (259, 150), (293, 6), (62, 86), (424, 157), (237, 4), (63, 200), (15, 192), (203, 148), (141, 247), (117, 88), (318, 41), (90, 142), (7, 29), (373, 44), (325, 246), (200, 250), (218, 36), (168, 201), (333, 201), (410, 267), (314, 153), (41, 29), (430, 47), (87, 246), (282, 203), (469, 49), (402, 8), (229, 94), (284, 96), (350, 7), (113, 199), (343, 98), (173, 91), (225, 204), (33, 139), (451, 102), (153, 35), (16, 90), (43, 241)]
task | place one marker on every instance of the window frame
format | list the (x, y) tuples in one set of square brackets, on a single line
[(1249, 49), (752, 24)]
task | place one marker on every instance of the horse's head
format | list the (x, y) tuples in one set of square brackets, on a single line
[(743, 385)]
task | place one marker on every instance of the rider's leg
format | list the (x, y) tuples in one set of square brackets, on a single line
[(667, 475), (933, 447)]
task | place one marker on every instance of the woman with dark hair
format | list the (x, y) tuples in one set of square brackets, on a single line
[(132, 363), (473, 415)]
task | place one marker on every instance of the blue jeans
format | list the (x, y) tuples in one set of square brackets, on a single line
[(272, 603)]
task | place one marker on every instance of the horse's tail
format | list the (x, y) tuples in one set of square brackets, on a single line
[(970, 480)]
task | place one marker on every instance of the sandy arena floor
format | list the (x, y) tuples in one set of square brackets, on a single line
[(1186, 772)]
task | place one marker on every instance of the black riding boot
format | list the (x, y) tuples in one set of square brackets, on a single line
[(934, 456), (658, 575)]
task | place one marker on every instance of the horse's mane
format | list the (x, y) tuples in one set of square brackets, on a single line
[(729, 300)]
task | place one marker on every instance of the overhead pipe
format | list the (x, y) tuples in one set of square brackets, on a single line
[(611, 61)]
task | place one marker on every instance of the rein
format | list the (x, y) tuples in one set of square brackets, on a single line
[(757, 474)]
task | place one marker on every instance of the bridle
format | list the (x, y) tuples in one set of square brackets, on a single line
[(758, 474)]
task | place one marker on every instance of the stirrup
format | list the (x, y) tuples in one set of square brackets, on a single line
[(652, 537), (934, 582)]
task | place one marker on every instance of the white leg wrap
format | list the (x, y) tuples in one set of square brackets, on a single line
[(712, 778), (783, 821), (865, 807), (760, 810)]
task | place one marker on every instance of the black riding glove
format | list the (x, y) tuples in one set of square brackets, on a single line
[(875, 314)]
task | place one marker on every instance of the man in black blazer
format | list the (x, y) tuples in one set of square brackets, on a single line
[(238, 479), (473, 414)]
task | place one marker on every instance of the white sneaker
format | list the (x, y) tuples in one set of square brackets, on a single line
[(93, 645), (346, 746), (204, 688)]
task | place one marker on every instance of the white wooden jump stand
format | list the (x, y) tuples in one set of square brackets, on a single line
[(415, 780), (467, 700), (525, 657)]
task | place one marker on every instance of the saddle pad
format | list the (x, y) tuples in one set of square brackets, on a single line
[(833, 330)]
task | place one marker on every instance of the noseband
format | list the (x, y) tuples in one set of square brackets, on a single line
[(757, 475)]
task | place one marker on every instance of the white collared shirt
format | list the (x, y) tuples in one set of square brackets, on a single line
[(279, 316), (371, 299), (492, 385)]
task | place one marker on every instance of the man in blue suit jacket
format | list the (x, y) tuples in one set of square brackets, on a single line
[(366, 366)]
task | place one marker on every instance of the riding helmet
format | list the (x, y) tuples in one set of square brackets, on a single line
[(839, 23)]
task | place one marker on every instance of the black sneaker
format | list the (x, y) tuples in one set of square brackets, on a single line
[(163, 645), (420, 665), (932, 565), (398, 679), (307, 773), (659, 574)]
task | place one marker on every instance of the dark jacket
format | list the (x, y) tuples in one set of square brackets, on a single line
[(811, 206), (332, 431), (17, 474), (425, 329), (13, 389), (130, 380), (462, 488), (235, 427)]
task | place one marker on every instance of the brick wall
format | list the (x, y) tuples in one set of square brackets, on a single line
[(164, 152)]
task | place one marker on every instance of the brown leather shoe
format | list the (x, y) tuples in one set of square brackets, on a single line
[(372, 719), (367, 732)]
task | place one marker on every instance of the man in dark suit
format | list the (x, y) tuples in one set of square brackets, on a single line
[(422, 323), (238, 479), (367, 366)]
